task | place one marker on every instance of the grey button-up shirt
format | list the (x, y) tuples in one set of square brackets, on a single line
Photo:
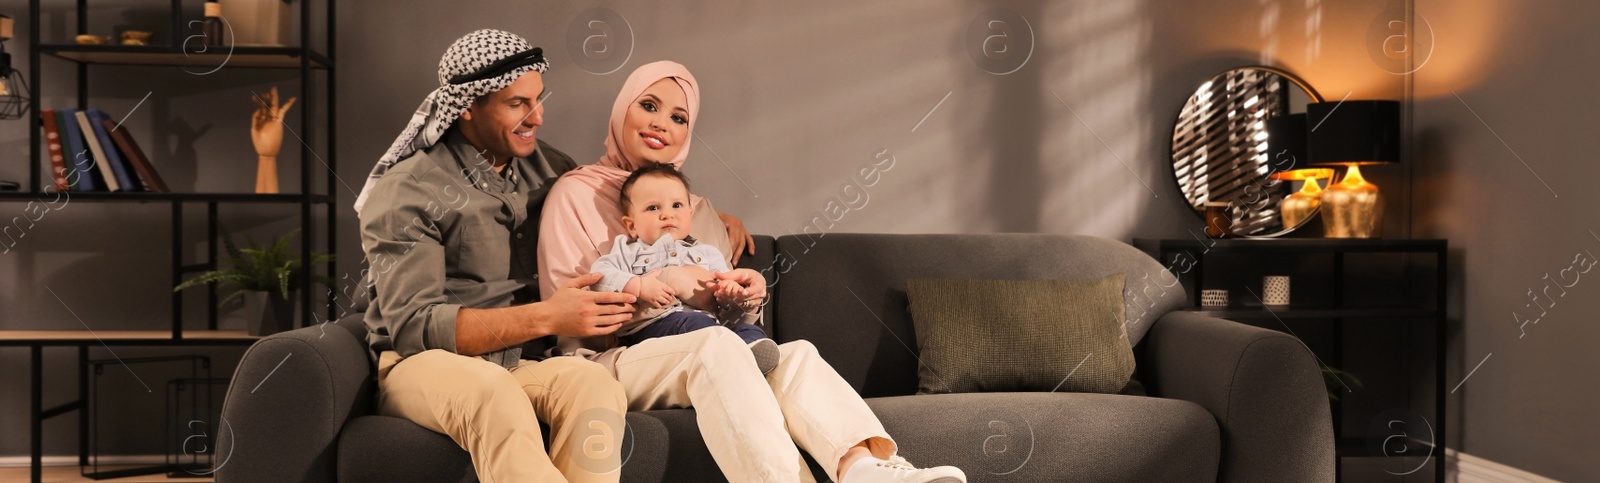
[(441, 231)]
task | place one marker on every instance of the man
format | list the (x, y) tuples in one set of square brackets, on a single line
[(449, 222)]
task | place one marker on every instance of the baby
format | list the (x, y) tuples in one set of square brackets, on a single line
[(667, 269)]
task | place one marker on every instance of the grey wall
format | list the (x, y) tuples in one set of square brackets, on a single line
[(797, 96), (1505, 149)]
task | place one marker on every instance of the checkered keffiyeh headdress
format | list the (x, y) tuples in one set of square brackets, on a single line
[(478, 64)]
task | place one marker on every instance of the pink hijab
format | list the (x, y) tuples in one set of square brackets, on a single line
[(581, 214)]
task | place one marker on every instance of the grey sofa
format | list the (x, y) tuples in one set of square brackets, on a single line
[(1222, 401)]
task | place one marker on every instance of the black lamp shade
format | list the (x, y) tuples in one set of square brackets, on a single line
[(1353, 132), (1286, 142)]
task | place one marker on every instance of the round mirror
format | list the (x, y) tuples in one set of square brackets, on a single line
[(1221, 151)]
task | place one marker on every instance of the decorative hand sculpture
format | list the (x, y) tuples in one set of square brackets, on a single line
[(266, 132)]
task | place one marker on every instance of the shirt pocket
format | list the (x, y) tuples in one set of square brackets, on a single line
[(641, 264), (484, 251)]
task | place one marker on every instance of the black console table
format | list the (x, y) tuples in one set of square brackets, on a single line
[(1321, 263)]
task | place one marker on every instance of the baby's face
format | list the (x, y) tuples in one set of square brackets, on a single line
[(657, 205)]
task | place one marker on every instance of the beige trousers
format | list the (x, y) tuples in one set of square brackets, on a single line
[(494, 413), (751, 424)]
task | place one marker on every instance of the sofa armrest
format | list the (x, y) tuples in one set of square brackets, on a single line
[(288, 400), (1263, 386)]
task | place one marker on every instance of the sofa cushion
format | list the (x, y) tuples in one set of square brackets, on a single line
[(391, 449), (1055, 436), (665, 445), (1020, 335), (659, 446), (845, 292)]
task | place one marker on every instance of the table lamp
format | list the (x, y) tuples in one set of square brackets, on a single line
[(1297, 207), (1286, 142), (1352, 134), (1286, 154)]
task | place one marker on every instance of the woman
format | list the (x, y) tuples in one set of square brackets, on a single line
[(751, 424)]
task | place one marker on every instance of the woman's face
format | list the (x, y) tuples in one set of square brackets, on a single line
[(656, 126)]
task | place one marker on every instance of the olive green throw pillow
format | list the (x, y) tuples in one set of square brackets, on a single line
[(1020, 335)]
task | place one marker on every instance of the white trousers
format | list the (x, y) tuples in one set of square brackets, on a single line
[(751, 424)]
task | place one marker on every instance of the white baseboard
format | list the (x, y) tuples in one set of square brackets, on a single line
[(72, 460), (1466, 468)]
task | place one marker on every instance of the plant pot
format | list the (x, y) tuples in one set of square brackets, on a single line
[(280, 313), (259, 22), (267, 313)]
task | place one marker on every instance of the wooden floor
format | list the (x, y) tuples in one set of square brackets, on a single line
[(62, 474)]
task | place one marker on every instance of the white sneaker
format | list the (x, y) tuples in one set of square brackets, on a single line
[(898, 470), (766, 352)]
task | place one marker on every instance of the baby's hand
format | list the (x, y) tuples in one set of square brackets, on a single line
[(748, 288), (655, 293), (729, 292)]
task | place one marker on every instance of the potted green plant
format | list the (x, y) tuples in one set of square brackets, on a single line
[(268, 274)]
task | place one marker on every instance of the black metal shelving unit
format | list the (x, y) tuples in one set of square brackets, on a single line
[(304, 58)]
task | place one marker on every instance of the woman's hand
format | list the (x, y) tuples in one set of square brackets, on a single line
[(752, 291), (738, 237)]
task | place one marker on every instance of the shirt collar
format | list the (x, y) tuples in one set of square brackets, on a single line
[(538, 169), (455, 154), (666, 240)]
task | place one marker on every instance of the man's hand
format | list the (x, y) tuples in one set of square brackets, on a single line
[(574, 311)]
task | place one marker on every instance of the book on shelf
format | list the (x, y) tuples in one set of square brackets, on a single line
[(76, 150), (52, 139), (90, 152), (108, 152), (126, 179), (135, 157), (89, 138)]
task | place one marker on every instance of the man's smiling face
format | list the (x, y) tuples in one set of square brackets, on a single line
[(503, 124)]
